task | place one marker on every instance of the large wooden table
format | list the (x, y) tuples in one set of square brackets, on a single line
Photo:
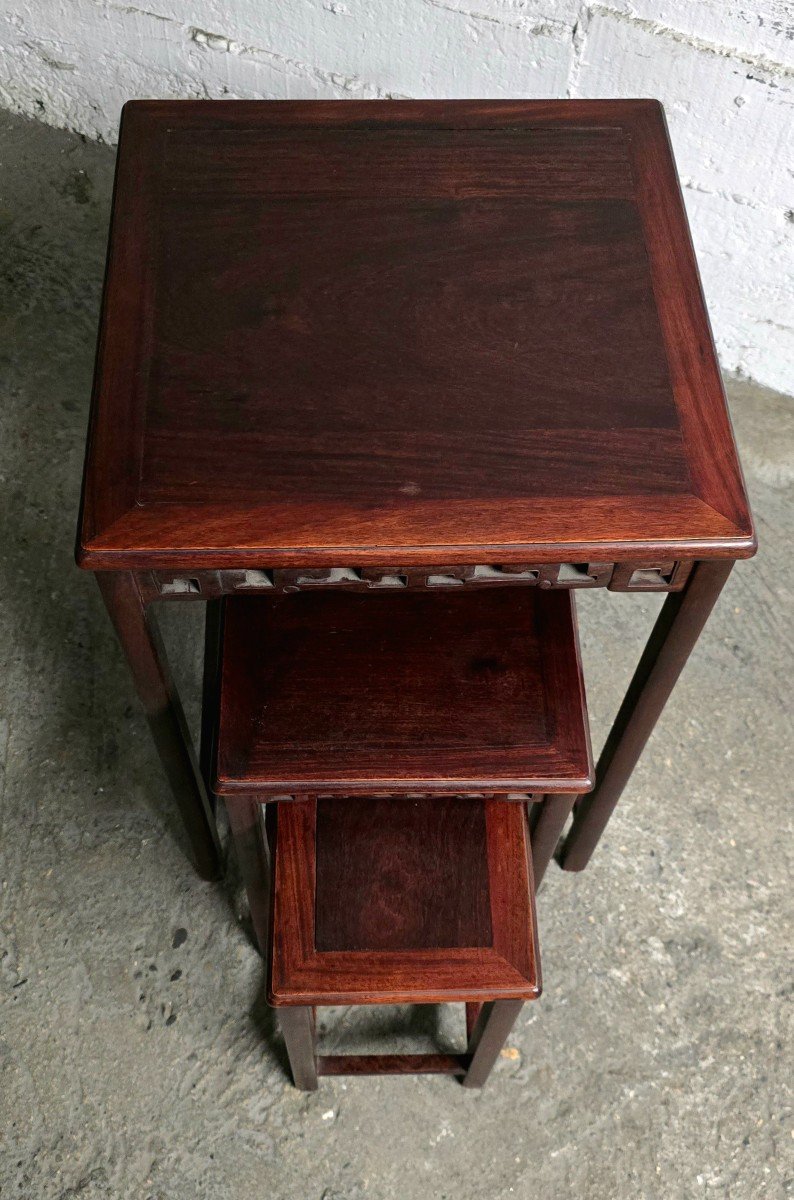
[(421, 344)]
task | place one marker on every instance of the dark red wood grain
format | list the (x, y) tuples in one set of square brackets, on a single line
[(336, 333), (139, 635), (399, 873), (672, 640), (502, 962), (409, 692)]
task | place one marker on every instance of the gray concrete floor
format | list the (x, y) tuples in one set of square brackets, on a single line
[(136, 1053)]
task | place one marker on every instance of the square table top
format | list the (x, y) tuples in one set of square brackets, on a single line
[(447, 691), (404, 331)]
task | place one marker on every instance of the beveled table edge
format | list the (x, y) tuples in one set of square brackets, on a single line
[(93, 558), (696, 377)]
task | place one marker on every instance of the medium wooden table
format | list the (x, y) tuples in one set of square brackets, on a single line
[(433, 344)]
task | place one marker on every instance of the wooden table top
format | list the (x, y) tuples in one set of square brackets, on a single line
[(425, 331), (383, 692)]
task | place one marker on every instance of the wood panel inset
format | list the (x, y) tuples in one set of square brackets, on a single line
[(423, 332), (401, 873)]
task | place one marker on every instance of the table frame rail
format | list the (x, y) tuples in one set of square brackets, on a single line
[(129, 596)]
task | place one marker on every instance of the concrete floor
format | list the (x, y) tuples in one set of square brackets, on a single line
[(137, 1057)]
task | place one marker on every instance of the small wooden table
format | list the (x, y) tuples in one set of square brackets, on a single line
[(379, 755), (433, 344)]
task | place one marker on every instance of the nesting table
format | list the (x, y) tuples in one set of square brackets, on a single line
[(378, 755), (434, 345)]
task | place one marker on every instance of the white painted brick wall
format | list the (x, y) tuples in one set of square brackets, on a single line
[(724, 70)]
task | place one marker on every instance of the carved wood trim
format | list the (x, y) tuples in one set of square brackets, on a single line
[(645, 576)]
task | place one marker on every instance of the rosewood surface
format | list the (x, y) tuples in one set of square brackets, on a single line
[(673, 638), (364, 913), (396, 340), (464, 930), (401, 874), (330, 692), (332, 332)]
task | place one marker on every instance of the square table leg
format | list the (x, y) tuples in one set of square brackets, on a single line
[(491, 1029), (253, 850), (298, 1027), (140, 640), (210, 689), (672, 640), (547, 819)]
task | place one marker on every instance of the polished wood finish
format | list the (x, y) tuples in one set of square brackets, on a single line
[(492, 1028), (406, 923), (210, 690), (140, 640), (639, 576), (392, 341), (298, 1027), (674, 636), (473, 1010), (252, 845), (404, 895), (494, 1023), (432, 852), (499, 959), (547, 818), (392, 1064), (419, 692), (418, 332)]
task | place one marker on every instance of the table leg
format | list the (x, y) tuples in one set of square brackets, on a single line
[(297, 1026), (491, 1030), (210, 691), (546, 821), (140, 640), (672, 639), (253, 856)]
